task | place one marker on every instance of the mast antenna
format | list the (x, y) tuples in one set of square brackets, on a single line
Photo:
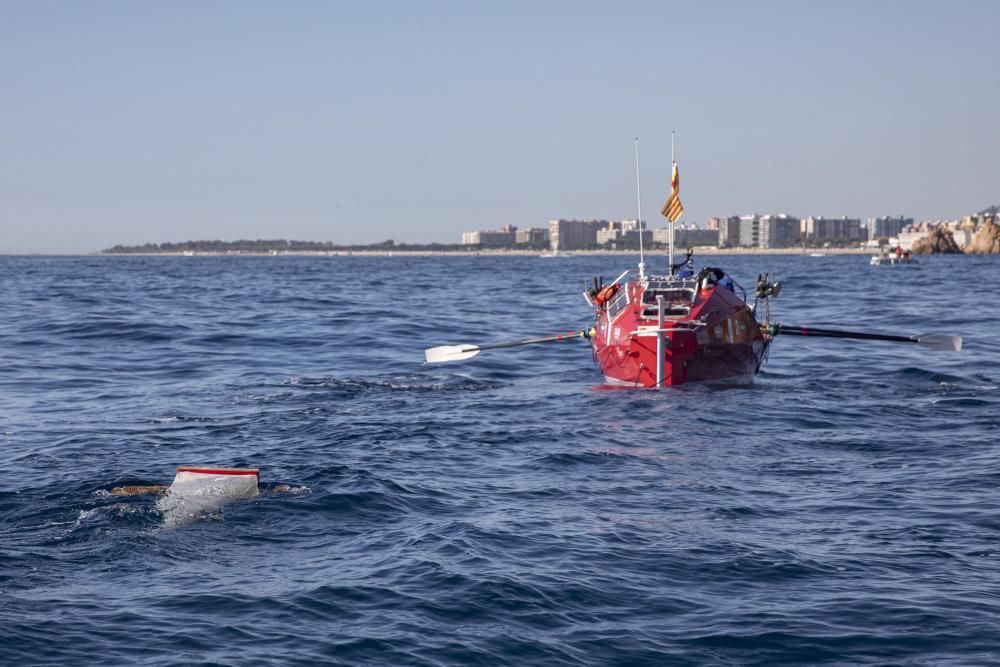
[(638, 195), (670, 252)]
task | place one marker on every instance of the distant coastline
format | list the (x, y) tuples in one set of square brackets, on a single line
[(494, 253), (390, 248)]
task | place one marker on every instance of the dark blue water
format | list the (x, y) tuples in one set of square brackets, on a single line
[(843, 509)]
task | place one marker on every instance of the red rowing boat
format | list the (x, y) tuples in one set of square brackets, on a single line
[(684, 327)]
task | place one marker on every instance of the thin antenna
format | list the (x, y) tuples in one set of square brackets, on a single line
[(673, 165), (638, 195)]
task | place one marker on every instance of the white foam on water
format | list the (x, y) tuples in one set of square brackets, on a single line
[(85, 515), (294, 489)]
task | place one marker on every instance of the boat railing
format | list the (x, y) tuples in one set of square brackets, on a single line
[(678, 297), (688, 325)]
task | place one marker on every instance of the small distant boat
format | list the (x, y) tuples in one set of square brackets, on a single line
[(891, 256), (555, 253), (816, 254)]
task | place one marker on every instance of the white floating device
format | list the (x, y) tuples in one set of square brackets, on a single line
[(200, 490), (230, 483)]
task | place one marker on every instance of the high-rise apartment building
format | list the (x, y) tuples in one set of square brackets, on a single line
[(624, 232), (574, 234), (531, 236), (493, 238), (778, 231), (729, 231), (687, 235), (749, 231), (836, 230), (885, 227)]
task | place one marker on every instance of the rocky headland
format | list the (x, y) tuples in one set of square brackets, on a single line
[(940, 241), (986, 241)]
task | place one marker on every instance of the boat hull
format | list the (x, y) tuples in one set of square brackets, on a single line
[(709, 336), (891, 260)]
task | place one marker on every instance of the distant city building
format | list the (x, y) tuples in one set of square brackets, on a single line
[(749, 236), (692, 238), (906, 239), (756, 231), (835, 230), (977, 220), (663, 235), (778, 231), (531, 236), (607, 235), (965, 230), (886, 227), (574, 234), (729, 231), (687, 235), (631, 225), (963, 235), (623, 233), (494, 238)]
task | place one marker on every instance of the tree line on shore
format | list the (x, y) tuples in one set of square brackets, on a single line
[(265, 246), (268, 246)]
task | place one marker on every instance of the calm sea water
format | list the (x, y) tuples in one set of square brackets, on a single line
[(842, 509)]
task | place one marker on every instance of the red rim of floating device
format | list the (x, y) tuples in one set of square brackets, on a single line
[(220, 471)]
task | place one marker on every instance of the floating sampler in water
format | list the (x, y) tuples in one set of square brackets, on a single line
[(202, 490), (197, 491), (201, 480), (232, 483)]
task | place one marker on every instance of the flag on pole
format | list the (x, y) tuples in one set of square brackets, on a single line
[(673, 208)]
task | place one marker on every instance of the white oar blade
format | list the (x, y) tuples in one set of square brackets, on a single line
[(941, 342), (435, 355)]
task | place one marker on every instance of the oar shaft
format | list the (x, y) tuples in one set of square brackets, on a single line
[(531, 341), (815, 332)]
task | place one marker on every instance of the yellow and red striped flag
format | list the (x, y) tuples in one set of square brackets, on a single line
[(673, 209)]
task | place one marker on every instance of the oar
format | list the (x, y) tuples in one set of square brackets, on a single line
[(932, 341), (466, 350)]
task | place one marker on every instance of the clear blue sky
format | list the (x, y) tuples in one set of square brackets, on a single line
[(129, 122)]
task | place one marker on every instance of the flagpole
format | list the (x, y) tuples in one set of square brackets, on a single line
[(673, 164), (638, 195)]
